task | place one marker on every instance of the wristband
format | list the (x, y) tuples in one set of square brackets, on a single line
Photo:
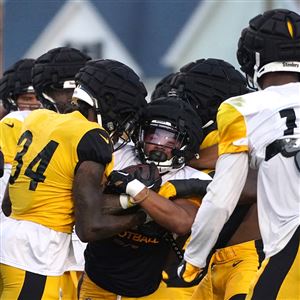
[(126, 201), (142, 197), (134, 187)]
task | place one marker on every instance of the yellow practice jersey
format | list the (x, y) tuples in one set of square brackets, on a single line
[(10, 128), (50, 149)]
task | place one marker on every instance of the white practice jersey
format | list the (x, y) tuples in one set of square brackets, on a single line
[(248, 124), (261, 118)]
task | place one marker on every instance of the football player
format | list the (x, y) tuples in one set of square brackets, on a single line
[(16, 88), (205, 84), (61, 159), (260, 128), (56, 68), (129, 264), (18, 97), (238, 251)]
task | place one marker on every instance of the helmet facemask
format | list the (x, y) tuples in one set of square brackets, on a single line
[(162, 144), (123, 129)]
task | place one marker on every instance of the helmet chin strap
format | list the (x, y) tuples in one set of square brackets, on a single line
[(80, 94), (51, 100)]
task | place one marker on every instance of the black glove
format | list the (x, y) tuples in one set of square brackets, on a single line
[(147, 174)]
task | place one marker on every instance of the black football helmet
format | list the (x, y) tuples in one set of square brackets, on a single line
[(16, 80), (271, 43), (205, 84), (172, 126), (115, 92), (55, 72), (163, 87)]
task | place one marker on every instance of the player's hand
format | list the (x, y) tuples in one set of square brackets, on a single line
[(146, 174), (188, 273), (117, 182)]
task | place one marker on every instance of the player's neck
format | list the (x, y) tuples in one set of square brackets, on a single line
[(278, 78)]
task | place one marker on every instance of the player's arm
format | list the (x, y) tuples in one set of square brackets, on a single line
[(95, 217), (207, 158), (218, 204), (176, 216), (224, 191)]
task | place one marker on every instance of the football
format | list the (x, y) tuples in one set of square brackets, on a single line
[(142, 171), (148, 174)]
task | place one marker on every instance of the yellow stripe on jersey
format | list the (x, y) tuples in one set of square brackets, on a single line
[(10, 129), (232, 130)]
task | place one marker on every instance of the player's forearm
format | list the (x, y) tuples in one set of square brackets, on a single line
[(109, 225), (175, 216)]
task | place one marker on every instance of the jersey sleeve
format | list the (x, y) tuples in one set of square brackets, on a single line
[(168, 190), (9, 134), (96, 146), (232, 130)]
